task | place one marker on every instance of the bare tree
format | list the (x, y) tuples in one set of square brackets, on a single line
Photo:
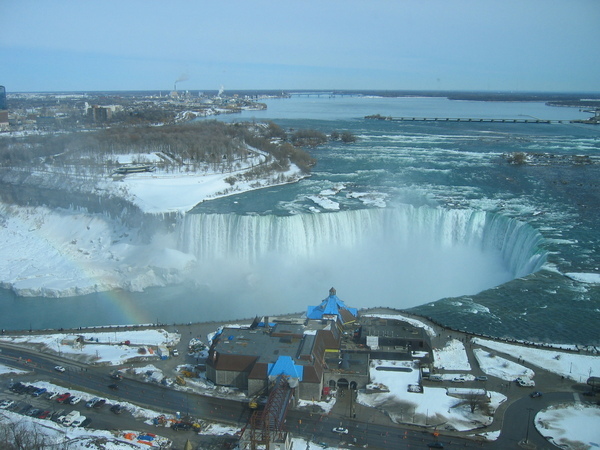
[(25, 435), (476, 400)]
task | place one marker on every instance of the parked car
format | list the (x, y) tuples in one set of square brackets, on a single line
[(525, 382), (17, 387), (78, 421), (20, 388), (458, 380), (57, 415), (175, 352), (63, 397), (92, 402), (70, 418), (481, 378), (74, 400), (100, 403), (181, 426), (39, 392), (33, 412), (340, 430), (59, 368), (436, 444), (86, 422), (6, 404), (44, 414), (117, 409), (535, 394)]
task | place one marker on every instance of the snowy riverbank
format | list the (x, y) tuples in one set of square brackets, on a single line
[(62, 253)]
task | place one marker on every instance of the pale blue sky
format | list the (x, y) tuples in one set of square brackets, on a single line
[(500, 45)]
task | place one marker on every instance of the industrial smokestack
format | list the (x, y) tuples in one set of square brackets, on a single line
[(182, 77)]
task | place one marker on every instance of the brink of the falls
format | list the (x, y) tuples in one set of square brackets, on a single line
[(398, 257)]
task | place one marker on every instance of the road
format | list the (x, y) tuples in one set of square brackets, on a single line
[(517, 420), (95, 381)]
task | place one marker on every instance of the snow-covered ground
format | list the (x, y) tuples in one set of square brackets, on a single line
[(56, 435), (390, 381), (10, 370), (101, 347), (569, 365), (592, 278), (572, 426), (61, 253), (166, 192), (414, 322), (452, 357), (498, 367)]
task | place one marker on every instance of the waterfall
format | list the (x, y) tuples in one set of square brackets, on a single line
[(249, 238)]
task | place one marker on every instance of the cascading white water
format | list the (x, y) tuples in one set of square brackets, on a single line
[(413, 254)]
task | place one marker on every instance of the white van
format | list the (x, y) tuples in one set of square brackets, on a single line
[(78, 421), (525, 382), (70, 418)]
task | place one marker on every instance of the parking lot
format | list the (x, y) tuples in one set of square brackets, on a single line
[(91, 412)]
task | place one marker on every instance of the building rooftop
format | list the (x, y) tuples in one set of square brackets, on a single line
[(332, 308), (268, 345)]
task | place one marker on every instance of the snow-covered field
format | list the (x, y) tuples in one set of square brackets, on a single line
[(10, 370), (431, 407), (452, 357), (569, 365), (166, 192), (414, 322), (498, 367), (55, 435), (572, 426), (100, 347)]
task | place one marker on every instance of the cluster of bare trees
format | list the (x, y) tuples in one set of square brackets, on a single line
[(200, 144), (24, 435)]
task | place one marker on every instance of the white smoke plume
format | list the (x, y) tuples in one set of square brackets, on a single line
[(182, 77)]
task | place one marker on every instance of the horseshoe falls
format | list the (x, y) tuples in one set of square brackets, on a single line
[(398, 257)]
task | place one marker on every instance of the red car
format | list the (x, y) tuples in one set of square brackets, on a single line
[(44, 415), (63, 398)]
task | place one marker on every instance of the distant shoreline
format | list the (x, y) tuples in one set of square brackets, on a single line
[(500, 96)]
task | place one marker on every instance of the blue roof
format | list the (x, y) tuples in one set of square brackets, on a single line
[(285, 365), (330, 306)]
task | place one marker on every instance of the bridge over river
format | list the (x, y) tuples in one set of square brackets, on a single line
[(464, 119)]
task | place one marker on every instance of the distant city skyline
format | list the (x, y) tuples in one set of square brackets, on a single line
[(438, 45)]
